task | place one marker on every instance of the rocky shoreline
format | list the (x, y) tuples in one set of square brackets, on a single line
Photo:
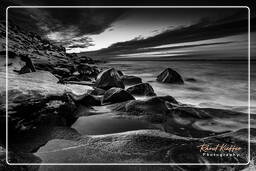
[(48, 90)]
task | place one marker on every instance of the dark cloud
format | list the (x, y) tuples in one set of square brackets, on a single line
[(202, 30), (83, 21)]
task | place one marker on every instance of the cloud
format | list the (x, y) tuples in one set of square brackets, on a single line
[(202, 30), (63, 24)]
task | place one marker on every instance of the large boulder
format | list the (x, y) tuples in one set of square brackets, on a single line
[(140, 146), (153, 109), (170, 76), (115, 95), (131, 80), (108, 79), (142, 89), (35, 99), (18, 63)]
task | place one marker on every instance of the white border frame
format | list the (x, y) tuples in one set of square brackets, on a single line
[(159, 164)]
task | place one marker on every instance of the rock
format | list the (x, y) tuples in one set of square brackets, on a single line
[(29, 67), (120, 72), (108, 79), (64, 72), (71, 78), (169, 99), (87, 70), (142, 89), (35, 99), (86, 99), (131, 80), (30, 142), (32, 46), (170, 76), (191, 80), (86, 59), (139, 146), (97, 91), (154, 109), (115, 95), (82, 59), (19, 63), (16, 157)]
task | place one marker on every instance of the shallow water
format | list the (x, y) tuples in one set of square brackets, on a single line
[(107, 124), (219, 84)]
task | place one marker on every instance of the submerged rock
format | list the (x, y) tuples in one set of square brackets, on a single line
[(142, 89), (115, 95), (131, 80), (191, 80), (108, 79), (170, 76)]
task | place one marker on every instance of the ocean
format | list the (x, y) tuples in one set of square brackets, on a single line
[(219, 84)]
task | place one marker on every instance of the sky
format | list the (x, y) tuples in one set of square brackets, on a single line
[(138, 32)]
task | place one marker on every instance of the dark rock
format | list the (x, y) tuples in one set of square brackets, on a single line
[(120, 72), (86, 99), (131, 80), (71, 78), (86, 59), (16, 157), (87, 72), (191, 79), (33, 47), (142, 89), (45, 67), (153, 109), (170, 76), (115, 95), (17, 61), (108, 79), (169, 99), (97, 91), (29, 142), (153, 105), (64, 72)]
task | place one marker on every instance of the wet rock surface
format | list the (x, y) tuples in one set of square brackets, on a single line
[(131, 80), (116, 95), (170, 76), (108, 79), (142, 89)]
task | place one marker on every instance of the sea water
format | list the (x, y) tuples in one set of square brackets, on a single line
[(219, 84)]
